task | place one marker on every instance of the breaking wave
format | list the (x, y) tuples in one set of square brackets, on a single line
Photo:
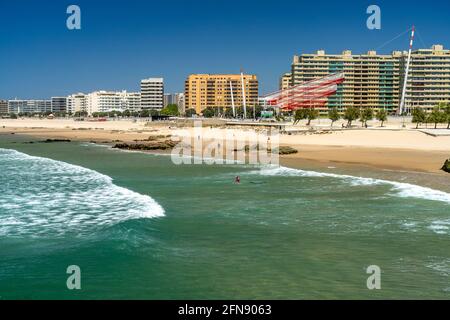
[(404, 190), (40, 196)]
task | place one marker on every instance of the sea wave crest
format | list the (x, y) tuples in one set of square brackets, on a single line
[(404, 190), (40, 196)]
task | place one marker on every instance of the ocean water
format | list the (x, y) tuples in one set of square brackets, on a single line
[(140, 227)]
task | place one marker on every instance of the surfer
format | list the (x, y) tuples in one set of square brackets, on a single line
[(237, 180)]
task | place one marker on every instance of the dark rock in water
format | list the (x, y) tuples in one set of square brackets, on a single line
[(157, 145), (446, 166), (283, 150), (55, 140)]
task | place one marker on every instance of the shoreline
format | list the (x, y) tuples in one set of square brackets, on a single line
[(381, 149), (420, 167)]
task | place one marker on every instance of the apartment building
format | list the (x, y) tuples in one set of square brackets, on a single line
[(285, 81), (429, 78), (376, 81), (3, 106), (29, 106), (152, 93), (76, 103), (107, 101), (371, 80), (207, 90), (59, 104)]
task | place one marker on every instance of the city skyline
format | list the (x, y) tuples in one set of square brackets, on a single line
[(261, 40)]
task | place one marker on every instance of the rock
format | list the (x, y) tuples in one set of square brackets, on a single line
[(55, 140), (446, 166), (157, 145), (284, 150)]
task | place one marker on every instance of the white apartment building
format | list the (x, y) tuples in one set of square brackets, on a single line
[(107, 101), (76, 103), (152, 93), (59, 104), (29, 106)]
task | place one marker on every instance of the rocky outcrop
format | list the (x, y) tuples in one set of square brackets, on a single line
[(446, 166), (284, 150), (156, 145)]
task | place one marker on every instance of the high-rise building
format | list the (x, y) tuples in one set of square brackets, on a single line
[(371, 80), (285, 81), (76, 103), (376, 81), (152, 93), (107, 101), (29, 106), (59, 104), (170, 98), (429, 78), (3, 106), (207, 90)]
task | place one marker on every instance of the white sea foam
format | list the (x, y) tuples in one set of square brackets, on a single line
[(40, 196), (440, 226), (404, 190)]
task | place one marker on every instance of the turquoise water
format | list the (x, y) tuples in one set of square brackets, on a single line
[(142, 228)]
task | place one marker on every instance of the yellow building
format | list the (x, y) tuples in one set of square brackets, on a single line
[(429, 78), (208, 90), (371, 80), (285, 81)]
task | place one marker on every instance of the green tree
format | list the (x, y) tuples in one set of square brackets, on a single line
[(437, 116), (190, 112), (418, 116), (229, 113), (312, 114), (333, 115), (447, 114), (209, 112), (351, 114), (366, 115), (170, 110), (299, 115), (381, 116), (144, 113)]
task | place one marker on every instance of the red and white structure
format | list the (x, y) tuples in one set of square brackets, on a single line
[(310, 94)]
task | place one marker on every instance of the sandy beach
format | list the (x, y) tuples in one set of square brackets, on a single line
[(388, 148)]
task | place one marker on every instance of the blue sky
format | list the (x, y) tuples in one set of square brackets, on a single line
[(122, 42)]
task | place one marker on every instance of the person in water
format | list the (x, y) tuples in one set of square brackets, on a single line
[(237, 180)]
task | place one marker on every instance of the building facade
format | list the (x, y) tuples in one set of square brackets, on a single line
[(109, 101), (59, 104), (206, 90), (169, 98), (429, 78), (76, 103), (152, 93), (3, 107), (371, 80), (29, 106), (285, 81), (376, 81)]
